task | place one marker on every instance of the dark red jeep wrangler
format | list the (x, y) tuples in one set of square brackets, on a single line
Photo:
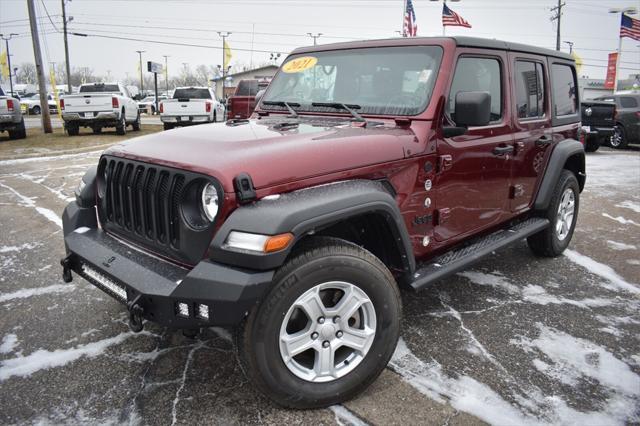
[(366, 166)]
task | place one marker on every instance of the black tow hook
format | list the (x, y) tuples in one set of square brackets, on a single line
[(66, 269), (135, 315)]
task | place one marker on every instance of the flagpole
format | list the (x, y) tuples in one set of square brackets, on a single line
[(615, 82), (444, 27), (404, 12)]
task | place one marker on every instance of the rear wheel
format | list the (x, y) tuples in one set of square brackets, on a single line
[(168, 126), (72, 129), (36, 110), (326, 329), (19, 133), (136, 124), (121, 126), (562, 213), (619, 138)]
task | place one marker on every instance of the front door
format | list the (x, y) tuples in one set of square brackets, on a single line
[(531, 127), (474, 169)]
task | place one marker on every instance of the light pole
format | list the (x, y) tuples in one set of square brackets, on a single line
[(6, 41), (315, 37), (140, 52), (224, 35), (166, 73), (570, 43), (65, 21), (444, 29), (623, 11)]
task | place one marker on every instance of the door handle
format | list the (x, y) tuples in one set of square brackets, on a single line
[(502, 150), (544, 141)]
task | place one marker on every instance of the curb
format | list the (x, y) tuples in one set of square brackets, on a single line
[(61, 152)]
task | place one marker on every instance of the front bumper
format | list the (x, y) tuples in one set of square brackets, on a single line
[(153, 287)]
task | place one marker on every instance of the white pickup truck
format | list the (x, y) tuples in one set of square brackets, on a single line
[(191, 105), (99, 105)]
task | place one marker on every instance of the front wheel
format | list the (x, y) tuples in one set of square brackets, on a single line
[(326, 329), (562, 213), (619, 138)]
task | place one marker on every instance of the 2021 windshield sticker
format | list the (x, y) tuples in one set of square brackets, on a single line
[(299, 64)]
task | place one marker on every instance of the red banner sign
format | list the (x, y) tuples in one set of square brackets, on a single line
[(610, 81)]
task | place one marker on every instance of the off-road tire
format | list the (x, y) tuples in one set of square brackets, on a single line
[(168, 126), (72, 129), (619, 139), (19, 133), (546, 243), (136, 124), (121, 126), (319, 260)]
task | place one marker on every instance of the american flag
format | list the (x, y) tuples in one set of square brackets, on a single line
[(410, 28), (630, 27), (452, 19)]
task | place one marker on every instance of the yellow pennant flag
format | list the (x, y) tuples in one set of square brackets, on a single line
[(4, 64), (578, 60), (52, 77), (227, 54)]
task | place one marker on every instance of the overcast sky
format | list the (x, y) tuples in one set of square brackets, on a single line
[(281, 25)]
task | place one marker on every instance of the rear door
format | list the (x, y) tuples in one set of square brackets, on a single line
[(531, 127), (474, 169)]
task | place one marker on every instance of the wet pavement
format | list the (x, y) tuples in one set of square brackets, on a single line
[(515, 340)]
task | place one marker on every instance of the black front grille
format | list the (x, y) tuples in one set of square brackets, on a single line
[(142, 203)]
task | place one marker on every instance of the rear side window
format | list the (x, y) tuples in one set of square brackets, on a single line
[(191, 93), (478, 75), (247, 88), (529, 89), (627, 102), (565, 96)]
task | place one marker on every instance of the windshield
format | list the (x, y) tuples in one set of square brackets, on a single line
[(192, 93), (382, 80), (99, 88)]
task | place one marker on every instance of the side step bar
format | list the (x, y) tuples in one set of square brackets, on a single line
[(456, 260)]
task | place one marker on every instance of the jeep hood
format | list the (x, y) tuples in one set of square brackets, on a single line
[(272, 151)]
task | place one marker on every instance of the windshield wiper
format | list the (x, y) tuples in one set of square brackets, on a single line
[(349, 108), (288, 105)]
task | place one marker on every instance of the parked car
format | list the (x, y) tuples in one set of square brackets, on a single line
[(191, 105), (598, 123), (11, 119), (627, 129), (367, 166), (149, 103), (31, 104), (243, 101), (99, 105)]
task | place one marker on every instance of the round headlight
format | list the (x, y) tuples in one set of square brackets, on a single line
[(210, 201)]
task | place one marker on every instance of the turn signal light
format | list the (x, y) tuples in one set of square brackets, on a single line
[(277, 242)]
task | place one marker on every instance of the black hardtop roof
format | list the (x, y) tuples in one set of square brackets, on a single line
[(461, 41)]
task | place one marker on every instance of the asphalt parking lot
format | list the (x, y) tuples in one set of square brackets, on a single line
[(515, 340)]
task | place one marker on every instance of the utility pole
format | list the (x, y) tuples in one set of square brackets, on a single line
[(66, 45), (558, 16), (314, 37), (140, 52), (6, 41), (35, 37), (166, 73)]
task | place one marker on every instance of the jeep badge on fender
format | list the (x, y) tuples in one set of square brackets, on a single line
[(365, 168)]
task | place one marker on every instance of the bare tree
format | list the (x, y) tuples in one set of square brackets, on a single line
[(27, 73)]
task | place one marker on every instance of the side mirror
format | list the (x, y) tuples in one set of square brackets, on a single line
[(473, 109)]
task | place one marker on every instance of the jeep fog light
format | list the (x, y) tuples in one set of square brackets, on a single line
[(210, 201), (183, 309), (203, 311), (258, 243)]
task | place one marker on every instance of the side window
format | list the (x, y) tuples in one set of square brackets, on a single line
[(627, 102), (565, 96), (529, 89), (478, 75)]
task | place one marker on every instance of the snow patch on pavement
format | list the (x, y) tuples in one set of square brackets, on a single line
[(9, 343), (614, 245), (25, 246), (494, 279), (41, 359), (538, 295), (602, 270), (51, 158), (28, 202), (29, 292), (344, 417), (621, 220), (628, 204)]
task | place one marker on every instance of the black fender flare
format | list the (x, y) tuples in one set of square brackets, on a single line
[(306, 211), (563, 152)]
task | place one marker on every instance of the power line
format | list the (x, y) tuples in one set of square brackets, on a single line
[(49, 16)]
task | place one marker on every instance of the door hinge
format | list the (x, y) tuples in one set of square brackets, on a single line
[(442, 216), (445, 162)]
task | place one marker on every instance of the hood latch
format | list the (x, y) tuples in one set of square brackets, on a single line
[(245, 191)]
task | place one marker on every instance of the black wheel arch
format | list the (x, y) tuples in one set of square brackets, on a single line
[(350, 210), (567, 155)]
